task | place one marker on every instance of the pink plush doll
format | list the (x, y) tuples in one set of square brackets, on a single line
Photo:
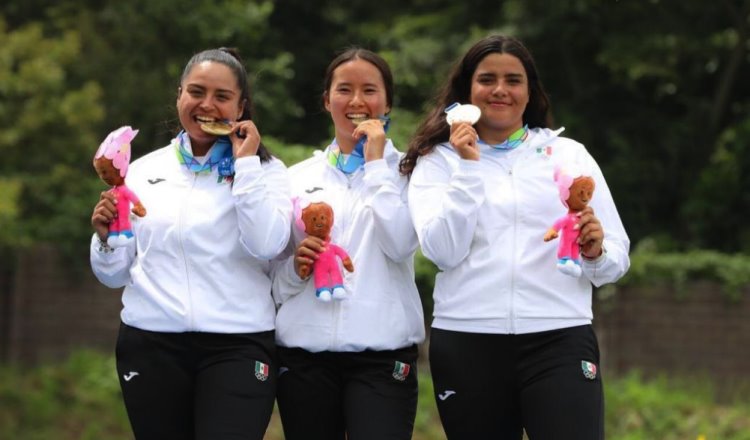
[(575, 190), (111, 162), (316, 219)]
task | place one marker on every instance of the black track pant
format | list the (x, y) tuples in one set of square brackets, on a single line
[(490, 386), (203, 386), (370, 395)]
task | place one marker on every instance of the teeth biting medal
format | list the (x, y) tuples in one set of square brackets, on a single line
[(217, 128), (357, 121)]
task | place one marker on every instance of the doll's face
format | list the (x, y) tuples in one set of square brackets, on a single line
[(107, 171), (580, 193), (318, 219)]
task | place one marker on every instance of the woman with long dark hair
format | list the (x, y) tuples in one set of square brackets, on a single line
[(511, 345)]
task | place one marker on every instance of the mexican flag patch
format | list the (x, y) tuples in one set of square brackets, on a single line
[(401, 371), (261, 370), (589, 370)]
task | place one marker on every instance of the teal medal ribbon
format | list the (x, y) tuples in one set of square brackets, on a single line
[(355, 160), (346, 165), (220, 156), (514, 140)]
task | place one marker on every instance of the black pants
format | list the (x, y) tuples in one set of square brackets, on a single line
[(353, 395), (490, 386), (203, 386)]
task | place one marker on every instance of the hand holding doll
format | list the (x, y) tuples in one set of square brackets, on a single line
[(111, 163), (317, 254), (575, 190)]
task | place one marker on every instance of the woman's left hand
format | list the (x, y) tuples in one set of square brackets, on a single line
[(245, 139), (592, 234), (375, 145)]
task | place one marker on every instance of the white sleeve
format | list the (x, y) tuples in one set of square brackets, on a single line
[(386, 198), (264, 208), (615, 260), (111, 266), (285, 281), (444, 207)]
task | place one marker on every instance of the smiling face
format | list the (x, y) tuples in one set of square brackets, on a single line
[(318, 219), (500, 88), (209, 92), (580, 193), (357, 91)]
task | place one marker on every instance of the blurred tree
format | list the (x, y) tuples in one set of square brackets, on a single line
[(649, 93), (46, 136), (645, 89), (720, 199), (138, 49)]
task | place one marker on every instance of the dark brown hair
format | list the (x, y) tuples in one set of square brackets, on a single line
[(434, 130), (357, 53), (230, 57)]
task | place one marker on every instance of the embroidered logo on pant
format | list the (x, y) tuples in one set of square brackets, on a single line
[(261, 371), (446, 394), (129, 376), (401, 371), (589, 370)]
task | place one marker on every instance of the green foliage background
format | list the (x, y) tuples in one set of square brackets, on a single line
[(667, 101), (653, 88)]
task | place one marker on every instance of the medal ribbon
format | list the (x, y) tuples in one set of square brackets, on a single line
[(513, 141), (220, 154), (357, 159)]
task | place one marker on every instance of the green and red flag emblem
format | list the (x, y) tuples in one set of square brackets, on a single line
[(589, 370), (261, 370), (401, 370)]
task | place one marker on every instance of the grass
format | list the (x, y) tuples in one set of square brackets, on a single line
[(80, 399)]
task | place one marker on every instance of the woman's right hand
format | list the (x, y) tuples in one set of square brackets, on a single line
[(464, 140), (307, 253), (104, 212)]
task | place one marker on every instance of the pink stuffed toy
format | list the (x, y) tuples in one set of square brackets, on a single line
[(575, 190), (111, 162), (316, 219)]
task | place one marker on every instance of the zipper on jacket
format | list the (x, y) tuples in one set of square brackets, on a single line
[(511, 310), (343, 239), (189, 303), (346, 217)]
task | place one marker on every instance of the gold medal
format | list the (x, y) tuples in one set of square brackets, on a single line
[(216, 128)]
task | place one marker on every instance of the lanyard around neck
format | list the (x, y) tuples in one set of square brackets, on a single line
[(514, 140), (220, 154), (355, 160)]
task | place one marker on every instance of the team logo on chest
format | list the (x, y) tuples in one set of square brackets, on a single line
[(544, 151), (401, 371)]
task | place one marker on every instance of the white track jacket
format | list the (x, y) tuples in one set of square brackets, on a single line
[(483, 222), (372, 223), (200, 258)]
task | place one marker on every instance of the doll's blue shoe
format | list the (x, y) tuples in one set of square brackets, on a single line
[(569, 267), (339, 292), (119, 240), (112, 239), (323, 294)]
